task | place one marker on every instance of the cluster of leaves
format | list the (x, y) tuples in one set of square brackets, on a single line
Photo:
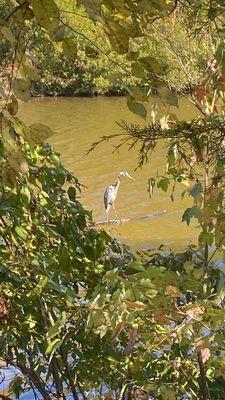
[(51, 262), (162, 319)]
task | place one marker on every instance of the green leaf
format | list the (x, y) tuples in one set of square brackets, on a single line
[(46, 13), (196, 190), (168, 96), (119, 39), (136, 266), (30, 70), (41, 283), (53, 346), (58, 35), (72, 193), (20, 231), (132, 55), (21, 89), (150, 64), (189, 213), (38, 133), (7, 33), (220, 55), (91, 52), (138, 94), (206, 238), (25, 195), (16, 386), (12, 105), (92, 7), (70, 49), (136, 108), (138, 70), (54, 330), (147, 283), (163, 184)]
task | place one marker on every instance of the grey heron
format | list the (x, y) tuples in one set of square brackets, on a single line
[(111, 193)]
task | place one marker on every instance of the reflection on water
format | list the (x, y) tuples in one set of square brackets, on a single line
[(81, 121)]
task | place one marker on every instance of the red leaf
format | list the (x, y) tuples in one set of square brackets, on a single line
[(131, 338)]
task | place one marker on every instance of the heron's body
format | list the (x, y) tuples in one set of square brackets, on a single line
[(111, 193)]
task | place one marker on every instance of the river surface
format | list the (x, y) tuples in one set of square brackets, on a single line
[(78, 123)]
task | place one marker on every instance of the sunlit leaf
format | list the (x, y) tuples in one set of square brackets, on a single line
[(25, 195), (46, 13), (20, 231), (53, 346)]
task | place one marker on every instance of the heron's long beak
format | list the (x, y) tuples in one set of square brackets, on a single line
[(130, 177)]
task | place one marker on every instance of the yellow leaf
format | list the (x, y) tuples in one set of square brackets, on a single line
[(186, 182)]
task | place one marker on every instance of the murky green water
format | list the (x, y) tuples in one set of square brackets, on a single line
[(81, 121)]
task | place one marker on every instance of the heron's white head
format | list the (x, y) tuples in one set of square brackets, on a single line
[(125, 174)]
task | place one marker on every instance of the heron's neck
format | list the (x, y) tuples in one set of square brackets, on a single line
[(117, 183)]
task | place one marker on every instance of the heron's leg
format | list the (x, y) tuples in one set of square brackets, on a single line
[(115, 210), (107, 213)]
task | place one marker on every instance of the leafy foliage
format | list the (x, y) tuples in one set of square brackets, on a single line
[(78, 311)]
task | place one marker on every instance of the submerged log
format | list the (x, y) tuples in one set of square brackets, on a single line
[(122, 220), (112, 221)]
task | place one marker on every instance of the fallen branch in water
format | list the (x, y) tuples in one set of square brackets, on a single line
[(122, 220)]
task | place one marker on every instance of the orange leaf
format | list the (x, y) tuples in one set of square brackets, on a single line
[(172, 291), (135, 304), (200, 92), (119, 329), (160, 317)]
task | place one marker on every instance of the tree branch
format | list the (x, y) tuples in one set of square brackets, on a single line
[(4, 397), (96, 46), (16, 9), (204, 384)]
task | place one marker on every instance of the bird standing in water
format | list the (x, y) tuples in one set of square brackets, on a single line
[(111, 193)]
